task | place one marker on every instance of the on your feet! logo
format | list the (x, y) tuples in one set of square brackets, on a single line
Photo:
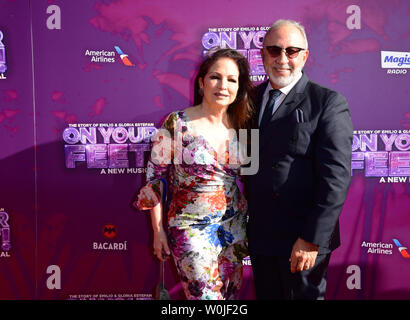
[(110, 231), (123, 56), (3, 66)]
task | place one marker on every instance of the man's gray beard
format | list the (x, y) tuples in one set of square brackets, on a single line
[(284, 81)]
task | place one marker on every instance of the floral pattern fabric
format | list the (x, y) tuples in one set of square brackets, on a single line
[(207, 212)]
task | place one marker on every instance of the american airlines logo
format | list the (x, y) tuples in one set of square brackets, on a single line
[(395, 59)]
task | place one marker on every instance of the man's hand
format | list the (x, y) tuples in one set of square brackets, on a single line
[(303, 255)]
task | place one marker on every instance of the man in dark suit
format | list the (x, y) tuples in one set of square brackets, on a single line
[(304, 173)]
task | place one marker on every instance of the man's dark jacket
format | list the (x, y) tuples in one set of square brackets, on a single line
[(304, 171)]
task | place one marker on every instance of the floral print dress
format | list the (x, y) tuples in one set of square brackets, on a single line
[(207, 213)]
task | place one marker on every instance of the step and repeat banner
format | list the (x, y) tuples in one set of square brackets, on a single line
[(84, 86)]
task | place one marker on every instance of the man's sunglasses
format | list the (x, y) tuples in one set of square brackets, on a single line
[(275, 51)]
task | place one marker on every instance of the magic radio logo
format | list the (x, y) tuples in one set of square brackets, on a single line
[(4, 235), (108, 56), (402, 249), (3, 65)]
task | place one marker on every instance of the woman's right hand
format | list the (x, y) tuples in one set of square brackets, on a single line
[(161, 249)]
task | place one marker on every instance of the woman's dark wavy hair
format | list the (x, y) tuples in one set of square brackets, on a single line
[(239, 111)]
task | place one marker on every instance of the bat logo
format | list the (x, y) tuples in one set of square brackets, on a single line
[(109, 231)]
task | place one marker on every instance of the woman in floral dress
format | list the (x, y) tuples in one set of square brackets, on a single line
[(197, 153)]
